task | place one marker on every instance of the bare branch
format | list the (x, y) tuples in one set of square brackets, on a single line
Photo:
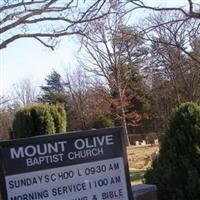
[(22, 3), (55, 18), (190, 13)]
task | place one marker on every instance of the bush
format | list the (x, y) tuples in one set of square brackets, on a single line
[(176, 172), (103, 122), (23, 124), (59, 117), (39, 119), (42, 120)]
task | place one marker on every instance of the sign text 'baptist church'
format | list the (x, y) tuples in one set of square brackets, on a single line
[(77, 166)]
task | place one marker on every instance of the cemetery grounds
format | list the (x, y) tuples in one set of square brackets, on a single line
[(140, 159)]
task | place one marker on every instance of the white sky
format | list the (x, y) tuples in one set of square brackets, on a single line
[(28, 59)]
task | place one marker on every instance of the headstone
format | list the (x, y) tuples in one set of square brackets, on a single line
[(75, 166), (137, 143), (156, 141), (143, 142)]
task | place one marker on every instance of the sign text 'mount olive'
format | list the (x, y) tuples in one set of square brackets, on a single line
[(87, 165)]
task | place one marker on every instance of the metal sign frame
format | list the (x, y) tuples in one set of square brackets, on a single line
[(16, 155)]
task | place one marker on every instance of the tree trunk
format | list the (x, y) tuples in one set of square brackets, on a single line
[(127, 142)]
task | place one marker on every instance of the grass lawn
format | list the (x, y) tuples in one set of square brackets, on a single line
[(136, 177)]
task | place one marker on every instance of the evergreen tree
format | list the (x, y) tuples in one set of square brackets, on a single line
[(176, 171), (103, 122), (53, 91), (138, 107), (39, 119)]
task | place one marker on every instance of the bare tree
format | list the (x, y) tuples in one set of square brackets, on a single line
[(188, 8), (47, 20), (77, 86), (25, 92), (4, 100), (85, 100), (175, 53), (5, 124), (5, 117), (174, 62), (184, 34), (113, 54)]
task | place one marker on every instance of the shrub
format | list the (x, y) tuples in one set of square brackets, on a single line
[(23, 124), (39, 119), (176, 172), (59, 117), (42, 120), (103, 122)]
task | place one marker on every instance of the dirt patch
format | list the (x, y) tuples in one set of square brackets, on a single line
[(141, 157)]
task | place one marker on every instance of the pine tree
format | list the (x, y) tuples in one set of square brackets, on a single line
[(53, 91), (103, 122), (176, 171)]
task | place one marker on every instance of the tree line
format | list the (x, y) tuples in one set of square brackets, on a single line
[(132, 74)]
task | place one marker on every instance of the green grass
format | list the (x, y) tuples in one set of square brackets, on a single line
[(137, 177)]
